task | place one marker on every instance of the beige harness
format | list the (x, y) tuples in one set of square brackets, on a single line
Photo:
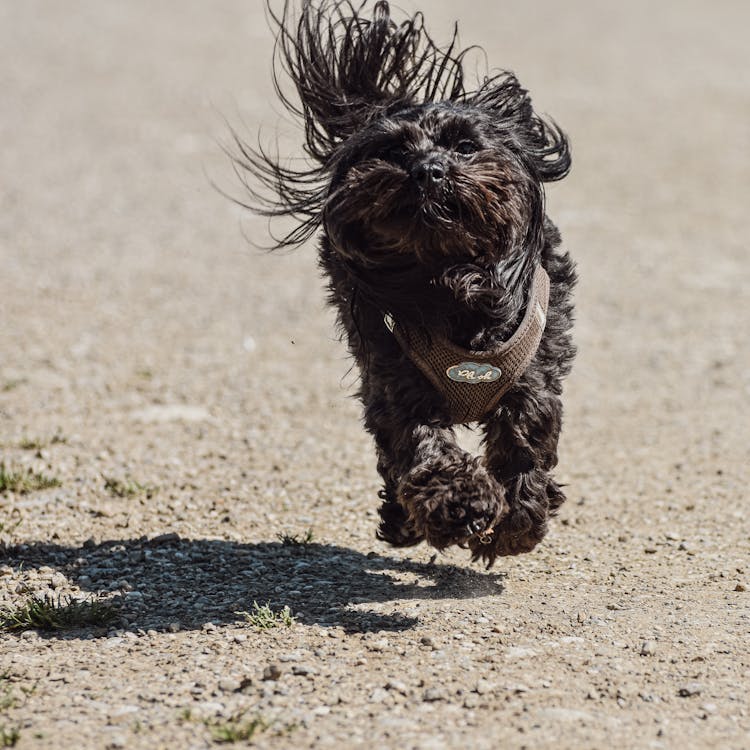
[(473, 382)]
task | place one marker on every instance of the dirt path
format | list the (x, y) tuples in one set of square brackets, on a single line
[(189, 396)]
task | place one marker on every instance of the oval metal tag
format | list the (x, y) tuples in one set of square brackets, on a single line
[(471, 372)]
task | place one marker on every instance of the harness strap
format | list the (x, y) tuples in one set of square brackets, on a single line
[(473, 382)]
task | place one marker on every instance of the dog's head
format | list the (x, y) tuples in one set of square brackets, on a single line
[(409, 166), (440, 183)]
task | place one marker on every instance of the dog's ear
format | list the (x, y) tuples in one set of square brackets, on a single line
[(347, 67), (540, 141)]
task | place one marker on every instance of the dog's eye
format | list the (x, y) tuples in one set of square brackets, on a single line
[(396, 154), (467, 148)]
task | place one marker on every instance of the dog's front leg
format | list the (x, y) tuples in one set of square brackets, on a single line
[(433, 489), (520, 451)]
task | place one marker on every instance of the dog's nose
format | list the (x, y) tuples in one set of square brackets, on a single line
[(430, 172)]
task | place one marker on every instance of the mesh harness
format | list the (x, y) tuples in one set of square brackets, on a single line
[(473, 382)]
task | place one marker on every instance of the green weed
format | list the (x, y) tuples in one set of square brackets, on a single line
[(9, 736), (265, 618), (8, 527), (296, 540), (7, 697), (24, 482), (237, 729), (61, 613), (36, 444), (30, 444), (12, 384), (127, 487)]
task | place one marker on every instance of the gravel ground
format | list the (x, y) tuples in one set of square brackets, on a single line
[(189, 395)]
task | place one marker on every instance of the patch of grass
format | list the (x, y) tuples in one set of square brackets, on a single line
[(265, 618), (36, 444), (9, 736), (237, 729), (12, 384), (30, 444), (24, 482), (127, 487), (8, 527), (296, 540), (7, 697), (61, 613)]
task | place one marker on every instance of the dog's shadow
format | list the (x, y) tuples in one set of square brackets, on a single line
[(195, 581)]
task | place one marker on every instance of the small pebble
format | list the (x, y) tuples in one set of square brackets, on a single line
[(163, 538), (740, 587), (482, 687), (398, 686), (229, 685), (690, 689), (648, 648), (517, 687), (302, 670), (471, 701), (211, 708), (378, 695), (433, 694), (272, 672)]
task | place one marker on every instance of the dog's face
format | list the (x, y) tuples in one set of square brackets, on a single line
[(408, 167), (434, 184)]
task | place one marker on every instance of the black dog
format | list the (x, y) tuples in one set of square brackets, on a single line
[(434, 238)]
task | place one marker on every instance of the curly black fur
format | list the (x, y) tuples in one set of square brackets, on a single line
[(431, 203)]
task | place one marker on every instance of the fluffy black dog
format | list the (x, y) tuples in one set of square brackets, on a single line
[(431, 204)]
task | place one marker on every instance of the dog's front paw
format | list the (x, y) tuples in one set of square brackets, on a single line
[(502, 541), (451, 500), (524, 526)]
